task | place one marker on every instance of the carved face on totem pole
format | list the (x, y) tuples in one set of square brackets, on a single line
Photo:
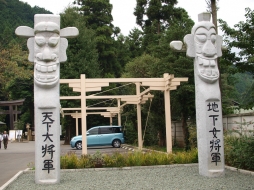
[(205, 45), (46, 53), (47, 47)]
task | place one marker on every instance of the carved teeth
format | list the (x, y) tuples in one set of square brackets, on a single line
[(44, 77), (50, 69), (212, 63), (205, 63), (208, 72), (214, 73), (45, 69)]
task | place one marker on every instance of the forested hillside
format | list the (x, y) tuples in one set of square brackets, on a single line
[(16, 73), (14, 13)]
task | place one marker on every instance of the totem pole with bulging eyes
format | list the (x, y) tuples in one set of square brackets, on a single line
[(204, 45), (47, 46)]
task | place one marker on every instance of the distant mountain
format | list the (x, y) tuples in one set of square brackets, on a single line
[(14, 13), (244, 85)]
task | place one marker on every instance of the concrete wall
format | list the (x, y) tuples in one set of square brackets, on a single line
[(243, 123)]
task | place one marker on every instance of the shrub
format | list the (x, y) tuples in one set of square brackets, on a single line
[(85, 161), (186, 157), (69, 161), (193, 135), (239, 151), (138, 158), (238, 146)]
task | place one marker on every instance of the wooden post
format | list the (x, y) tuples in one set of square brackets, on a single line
[(83, 113), (167, 116), (139, 118)]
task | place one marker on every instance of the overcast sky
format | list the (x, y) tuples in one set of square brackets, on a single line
[(232, 11)]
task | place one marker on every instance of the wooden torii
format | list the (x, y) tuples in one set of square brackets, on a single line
[(77, 115), (109, 111), (12, 112), (83, 85)]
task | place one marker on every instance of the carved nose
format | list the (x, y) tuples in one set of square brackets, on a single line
[(46, 55), (209, 49)]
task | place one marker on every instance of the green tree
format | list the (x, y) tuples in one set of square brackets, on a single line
[(134, 43), (14, 13), (82, 58), (145, 66), (154, 17), (183, 99), (97, 16), (16, 79), (123, 50), (82, 55), (162, 23), (13, 65), (241, 38), (240, 47), (16, 73), (23, 88)]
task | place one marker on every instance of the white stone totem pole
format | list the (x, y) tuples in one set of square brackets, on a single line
[(204, 45), (47, 46)]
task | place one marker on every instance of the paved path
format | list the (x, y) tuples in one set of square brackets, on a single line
[(20, 155), (16, 157)]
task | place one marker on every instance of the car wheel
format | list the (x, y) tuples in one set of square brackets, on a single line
[(116, 143), (78, 145)]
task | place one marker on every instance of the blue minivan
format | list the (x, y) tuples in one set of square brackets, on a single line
[(100, 136)]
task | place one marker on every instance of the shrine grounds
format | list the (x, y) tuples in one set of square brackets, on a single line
[(181, 177), (173, 177)]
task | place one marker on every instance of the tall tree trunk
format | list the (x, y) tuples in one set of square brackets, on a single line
[(161, 138), (214, 18), (158, 27), (185, 132), (214, 14)]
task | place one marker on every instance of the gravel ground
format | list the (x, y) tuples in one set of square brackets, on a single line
[(175, 177)]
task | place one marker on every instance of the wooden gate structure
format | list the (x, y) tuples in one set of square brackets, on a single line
[(12, 112), (83, 85)]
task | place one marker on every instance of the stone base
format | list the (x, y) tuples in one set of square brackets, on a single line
[(213, 173), (49, 181)]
